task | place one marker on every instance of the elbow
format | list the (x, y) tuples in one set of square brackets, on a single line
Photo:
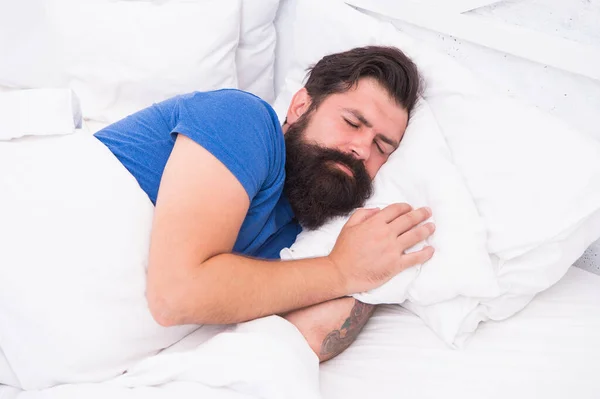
[(161, 312), (173, 305), (165, 306)]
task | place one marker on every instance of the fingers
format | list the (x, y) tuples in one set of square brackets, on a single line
[(409, 220), (361, 215), (416, 258), (393, 211), (415, 236)]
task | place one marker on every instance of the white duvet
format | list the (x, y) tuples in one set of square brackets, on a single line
[(74, 321), (265, 358)]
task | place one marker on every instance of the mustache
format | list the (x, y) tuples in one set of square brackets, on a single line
[(328, 155)]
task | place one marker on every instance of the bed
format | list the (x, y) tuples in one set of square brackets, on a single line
[(548, 350)]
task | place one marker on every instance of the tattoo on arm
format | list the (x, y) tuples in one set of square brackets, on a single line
[(338, 340)]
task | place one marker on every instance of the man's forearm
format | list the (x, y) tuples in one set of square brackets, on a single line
[(331, 327), (230, 289)]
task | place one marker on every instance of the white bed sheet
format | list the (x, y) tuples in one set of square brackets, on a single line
[(549, 350)]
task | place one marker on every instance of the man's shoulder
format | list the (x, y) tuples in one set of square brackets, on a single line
[(228, 97), (234, 109)]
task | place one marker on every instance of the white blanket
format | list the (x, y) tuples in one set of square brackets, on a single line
[(264, 358), (74, 320)]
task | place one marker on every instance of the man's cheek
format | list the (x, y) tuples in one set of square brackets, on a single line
[(372, 169)]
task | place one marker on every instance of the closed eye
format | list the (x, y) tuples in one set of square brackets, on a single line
[(353, 125), (379, 148)]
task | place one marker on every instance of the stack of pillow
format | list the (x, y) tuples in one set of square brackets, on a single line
[(121, 56), (515, 193)]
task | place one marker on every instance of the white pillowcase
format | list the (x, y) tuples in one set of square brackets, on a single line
[(38, 112), (121, 56), (421, 173), (534, 181), (27, 46), (255, 56), (72, 297), (284, 51)]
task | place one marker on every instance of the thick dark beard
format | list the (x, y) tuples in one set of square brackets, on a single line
[(316, 189)]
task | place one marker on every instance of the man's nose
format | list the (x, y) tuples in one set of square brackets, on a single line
[(361, 147)]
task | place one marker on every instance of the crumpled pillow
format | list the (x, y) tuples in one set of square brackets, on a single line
[(421, 173)]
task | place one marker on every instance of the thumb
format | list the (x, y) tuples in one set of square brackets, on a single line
[(361, 215)]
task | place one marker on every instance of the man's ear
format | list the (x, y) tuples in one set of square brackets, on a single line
[(299, 105)]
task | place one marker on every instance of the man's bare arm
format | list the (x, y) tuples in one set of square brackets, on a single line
[(193, 277), (331, 327)]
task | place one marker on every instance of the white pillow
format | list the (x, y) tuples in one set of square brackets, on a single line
[(284, 51), (421, 173), (539, 213), (72, 297), (27, 46), (255, 56), (38, 112), (121, 56)]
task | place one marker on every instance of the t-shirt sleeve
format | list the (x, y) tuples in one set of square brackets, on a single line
[(236, 128)]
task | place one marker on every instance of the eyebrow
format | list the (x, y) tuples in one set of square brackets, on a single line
[(358, 115)]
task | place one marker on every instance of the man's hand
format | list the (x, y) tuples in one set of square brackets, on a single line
[(331, 327), (370, 248), (369, 251)]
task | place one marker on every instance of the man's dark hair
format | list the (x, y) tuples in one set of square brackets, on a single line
[(390, 67)]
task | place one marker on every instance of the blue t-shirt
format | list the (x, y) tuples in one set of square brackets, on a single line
[(240, 130)]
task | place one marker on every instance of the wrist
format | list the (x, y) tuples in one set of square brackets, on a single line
[(341, 282)]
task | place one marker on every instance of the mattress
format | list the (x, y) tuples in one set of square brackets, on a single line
[(549, 350)]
